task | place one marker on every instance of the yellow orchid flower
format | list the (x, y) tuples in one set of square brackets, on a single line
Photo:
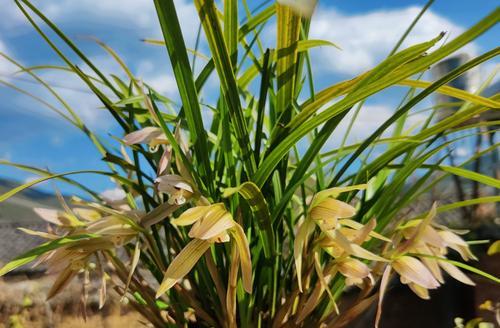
[(210, 224), (428, 242), (340, 237)]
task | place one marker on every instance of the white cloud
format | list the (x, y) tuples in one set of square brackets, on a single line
[(71, 89), (134, 18), (370, 117), (367, 38), (78, 95), (138, 15), (159, 79), (10, 16), (6, 68)]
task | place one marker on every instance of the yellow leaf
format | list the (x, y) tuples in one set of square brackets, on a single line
[(433, 267), (454, 92), (356, 225), (87, 214), (146, 135), (324, 280), (420, 291), (62, 281), (39, 233), (384, 281), (133, 266), (453, 241), (352, 248), (418, 231)]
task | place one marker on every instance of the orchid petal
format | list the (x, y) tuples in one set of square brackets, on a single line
[(212, 225), (145, 135), (244, 254), (353, 268), (415, 271), (182, 264), (456, 273)]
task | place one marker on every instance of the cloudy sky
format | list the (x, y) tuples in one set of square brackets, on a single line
[(33, 135)]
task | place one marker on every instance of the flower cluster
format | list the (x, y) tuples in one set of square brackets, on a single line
[(81, 234), (421, 254)]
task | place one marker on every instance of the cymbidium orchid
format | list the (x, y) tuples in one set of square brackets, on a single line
[(429, 243), (210, 224), (179, 187), (105, 228), (340, 237)]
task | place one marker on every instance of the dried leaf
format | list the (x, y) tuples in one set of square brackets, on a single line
[(62, 281)]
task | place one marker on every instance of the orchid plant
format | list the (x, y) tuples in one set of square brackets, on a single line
[(237, 224)]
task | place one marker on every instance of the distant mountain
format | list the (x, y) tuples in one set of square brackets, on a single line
[(16, 212), (19, 208)]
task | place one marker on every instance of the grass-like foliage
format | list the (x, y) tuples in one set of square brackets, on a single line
[(236, 224)]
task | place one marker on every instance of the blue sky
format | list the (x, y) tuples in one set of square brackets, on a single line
[(31, 134)]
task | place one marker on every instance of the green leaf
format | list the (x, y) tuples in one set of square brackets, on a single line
[(258, 205), (471, 175), (288, 33)]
